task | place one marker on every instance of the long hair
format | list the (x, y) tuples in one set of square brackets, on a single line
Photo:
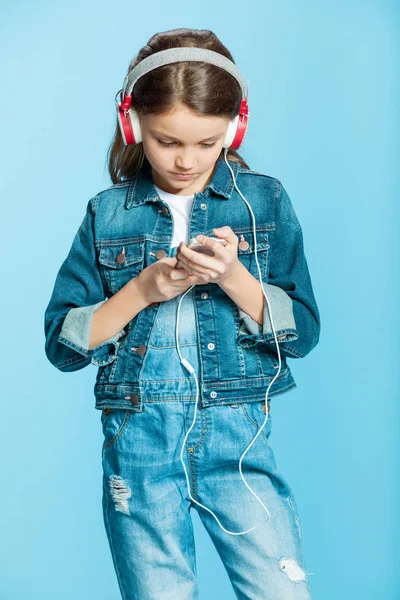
[(204, 88)]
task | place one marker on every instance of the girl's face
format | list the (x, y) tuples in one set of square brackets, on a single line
[(182, 142)]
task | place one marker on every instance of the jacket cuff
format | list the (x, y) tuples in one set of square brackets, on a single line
[(252, 333), (75, 333)]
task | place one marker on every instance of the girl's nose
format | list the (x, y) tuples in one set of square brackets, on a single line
[(184, 162)]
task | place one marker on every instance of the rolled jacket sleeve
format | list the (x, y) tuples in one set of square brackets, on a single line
[(78, 292), (295, 314)]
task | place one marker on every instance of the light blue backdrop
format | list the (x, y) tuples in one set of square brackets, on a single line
[(324, 104)]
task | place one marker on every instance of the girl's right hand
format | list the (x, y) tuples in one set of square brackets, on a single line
[(160, 281)]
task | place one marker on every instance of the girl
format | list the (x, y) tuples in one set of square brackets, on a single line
[(130, 280)]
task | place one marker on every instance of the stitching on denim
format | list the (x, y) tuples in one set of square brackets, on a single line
[(101, 402), (119, 431), (192, 474), (216, 345), (286, 346), (251, 172), (70, 361), (203, 428), (250, 418), (242, 362)]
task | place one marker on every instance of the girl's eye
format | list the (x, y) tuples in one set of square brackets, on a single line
[(168, 144)]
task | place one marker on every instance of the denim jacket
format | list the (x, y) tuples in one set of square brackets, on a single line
[(236, 357)]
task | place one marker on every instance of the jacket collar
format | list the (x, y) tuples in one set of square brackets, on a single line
[(142, 188)]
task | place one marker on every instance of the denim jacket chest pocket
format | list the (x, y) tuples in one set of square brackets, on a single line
[(120, 262), (246, 250)]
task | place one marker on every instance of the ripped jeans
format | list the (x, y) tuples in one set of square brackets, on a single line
[(146, 505)]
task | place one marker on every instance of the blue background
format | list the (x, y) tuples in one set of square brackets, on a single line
[(324, 119)]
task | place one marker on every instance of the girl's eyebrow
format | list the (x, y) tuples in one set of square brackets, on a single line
[(170, 137)]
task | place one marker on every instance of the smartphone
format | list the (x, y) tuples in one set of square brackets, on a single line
[(198, 247)]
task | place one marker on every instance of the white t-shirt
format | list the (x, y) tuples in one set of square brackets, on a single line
[(180, 207)]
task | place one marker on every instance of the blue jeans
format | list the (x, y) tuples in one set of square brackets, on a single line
[(146, 505)]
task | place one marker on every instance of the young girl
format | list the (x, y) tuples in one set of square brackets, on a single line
[(188, 351)]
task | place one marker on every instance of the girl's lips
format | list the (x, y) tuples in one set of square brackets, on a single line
[(181, 176)]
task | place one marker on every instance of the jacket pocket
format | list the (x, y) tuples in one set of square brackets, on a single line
[(121, 262), (246, 251), (114, 422)]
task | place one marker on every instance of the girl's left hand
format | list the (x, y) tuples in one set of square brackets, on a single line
[(212, 268)]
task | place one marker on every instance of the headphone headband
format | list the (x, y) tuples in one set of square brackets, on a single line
[(165, 57), (128, 118)]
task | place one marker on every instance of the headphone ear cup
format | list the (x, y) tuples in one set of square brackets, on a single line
[(129, 125), (235, 133), (135, 125), (231, 132)]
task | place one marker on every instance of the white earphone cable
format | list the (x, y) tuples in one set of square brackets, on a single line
[(191, 370)]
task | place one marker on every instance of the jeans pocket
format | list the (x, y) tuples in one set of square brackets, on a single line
[(114, 422), (255, 416)]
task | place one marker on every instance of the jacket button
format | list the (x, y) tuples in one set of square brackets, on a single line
[(134, 398), (107, 410), (213, 394), (141, 349), (121, 257), (243, 245), (203, 206), (211, 346), (160, 254), (204, 296), (165, 210)]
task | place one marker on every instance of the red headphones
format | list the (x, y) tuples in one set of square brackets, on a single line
[(128, 118)]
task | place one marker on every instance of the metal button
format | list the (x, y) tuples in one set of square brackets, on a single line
[(165, 211), (107, 410), (121, 257), (203, 206), (204, 296), (243, 245), (211, 346), (263, 407), (141, 349), (161, 254), (213, 394), (134, 398)]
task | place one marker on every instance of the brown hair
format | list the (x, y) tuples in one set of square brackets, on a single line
[(204, 88)]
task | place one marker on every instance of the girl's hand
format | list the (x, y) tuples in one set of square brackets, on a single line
[(161, 281), (212, 268)]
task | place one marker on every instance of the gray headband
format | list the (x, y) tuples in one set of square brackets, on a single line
[(172, 55)]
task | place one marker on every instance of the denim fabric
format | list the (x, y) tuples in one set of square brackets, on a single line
[(282, 315), (147, 507), (77, 326), (237, 358), (157, 381)]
